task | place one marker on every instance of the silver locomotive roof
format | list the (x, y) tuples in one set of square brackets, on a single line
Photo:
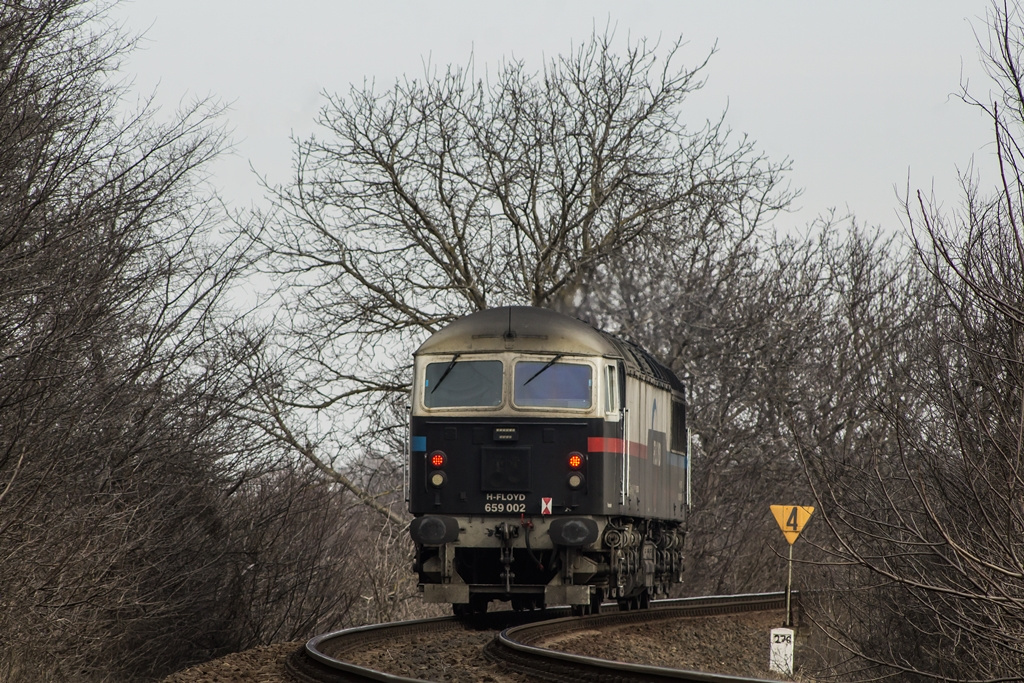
[(540, 330)]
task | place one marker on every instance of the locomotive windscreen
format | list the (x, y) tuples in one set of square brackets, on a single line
[(553, 385), (466, 383)]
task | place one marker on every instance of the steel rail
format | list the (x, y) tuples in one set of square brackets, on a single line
[(321, 660), (515, 648)]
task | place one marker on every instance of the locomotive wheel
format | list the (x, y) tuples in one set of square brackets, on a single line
[(641, 600)]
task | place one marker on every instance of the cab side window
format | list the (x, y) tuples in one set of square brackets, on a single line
[(611, 390), (678, 425)]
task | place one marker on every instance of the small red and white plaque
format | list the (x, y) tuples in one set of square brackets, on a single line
[(545, 506)]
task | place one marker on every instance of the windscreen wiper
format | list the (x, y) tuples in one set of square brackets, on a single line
[(446, 371), (546, 366)]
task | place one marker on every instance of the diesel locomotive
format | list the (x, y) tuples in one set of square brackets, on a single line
[(549, 465)]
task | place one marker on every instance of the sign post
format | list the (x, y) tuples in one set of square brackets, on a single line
[(791, 519)]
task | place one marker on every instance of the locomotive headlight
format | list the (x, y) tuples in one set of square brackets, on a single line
[(438, 458), (575, 480), (438, 479)]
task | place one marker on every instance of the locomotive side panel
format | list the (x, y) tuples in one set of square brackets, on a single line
[(654, 474)]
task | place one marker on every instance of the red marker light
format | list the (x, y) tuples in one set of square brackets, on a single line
[(437, 459), (575, 461)]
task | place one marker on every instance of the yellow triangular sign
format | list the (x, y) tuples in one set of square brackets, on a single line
[(791, 519)]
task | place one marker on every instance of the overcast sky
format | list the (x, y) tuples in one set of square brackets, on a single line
[(859, 95)]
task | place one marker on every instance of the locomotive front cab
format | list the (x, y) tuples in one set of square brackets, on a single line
[(506, 492), (506, 433)]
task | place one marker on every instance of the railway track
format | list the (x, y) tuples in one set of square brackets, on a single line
[(518, 644)]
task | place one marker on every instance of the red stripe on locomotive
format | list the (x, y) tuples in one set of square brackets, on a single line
[(601, 444)]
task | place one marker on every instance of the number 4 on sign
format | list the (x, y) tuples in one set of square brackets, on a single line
[(791, 519)]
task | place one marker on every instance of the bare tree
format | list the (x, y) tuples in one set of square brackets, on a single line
[(125, 464), (450, 194), (927, 512)]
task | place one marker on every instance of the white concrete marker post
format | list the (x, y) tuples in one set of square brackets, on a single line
[(780, 658)]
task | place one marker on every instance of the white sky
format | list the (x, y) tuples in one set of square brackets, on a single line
[(856, 94)]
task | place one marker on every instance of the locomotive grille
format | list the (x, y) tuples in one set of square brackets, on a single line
[(505, 469)]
